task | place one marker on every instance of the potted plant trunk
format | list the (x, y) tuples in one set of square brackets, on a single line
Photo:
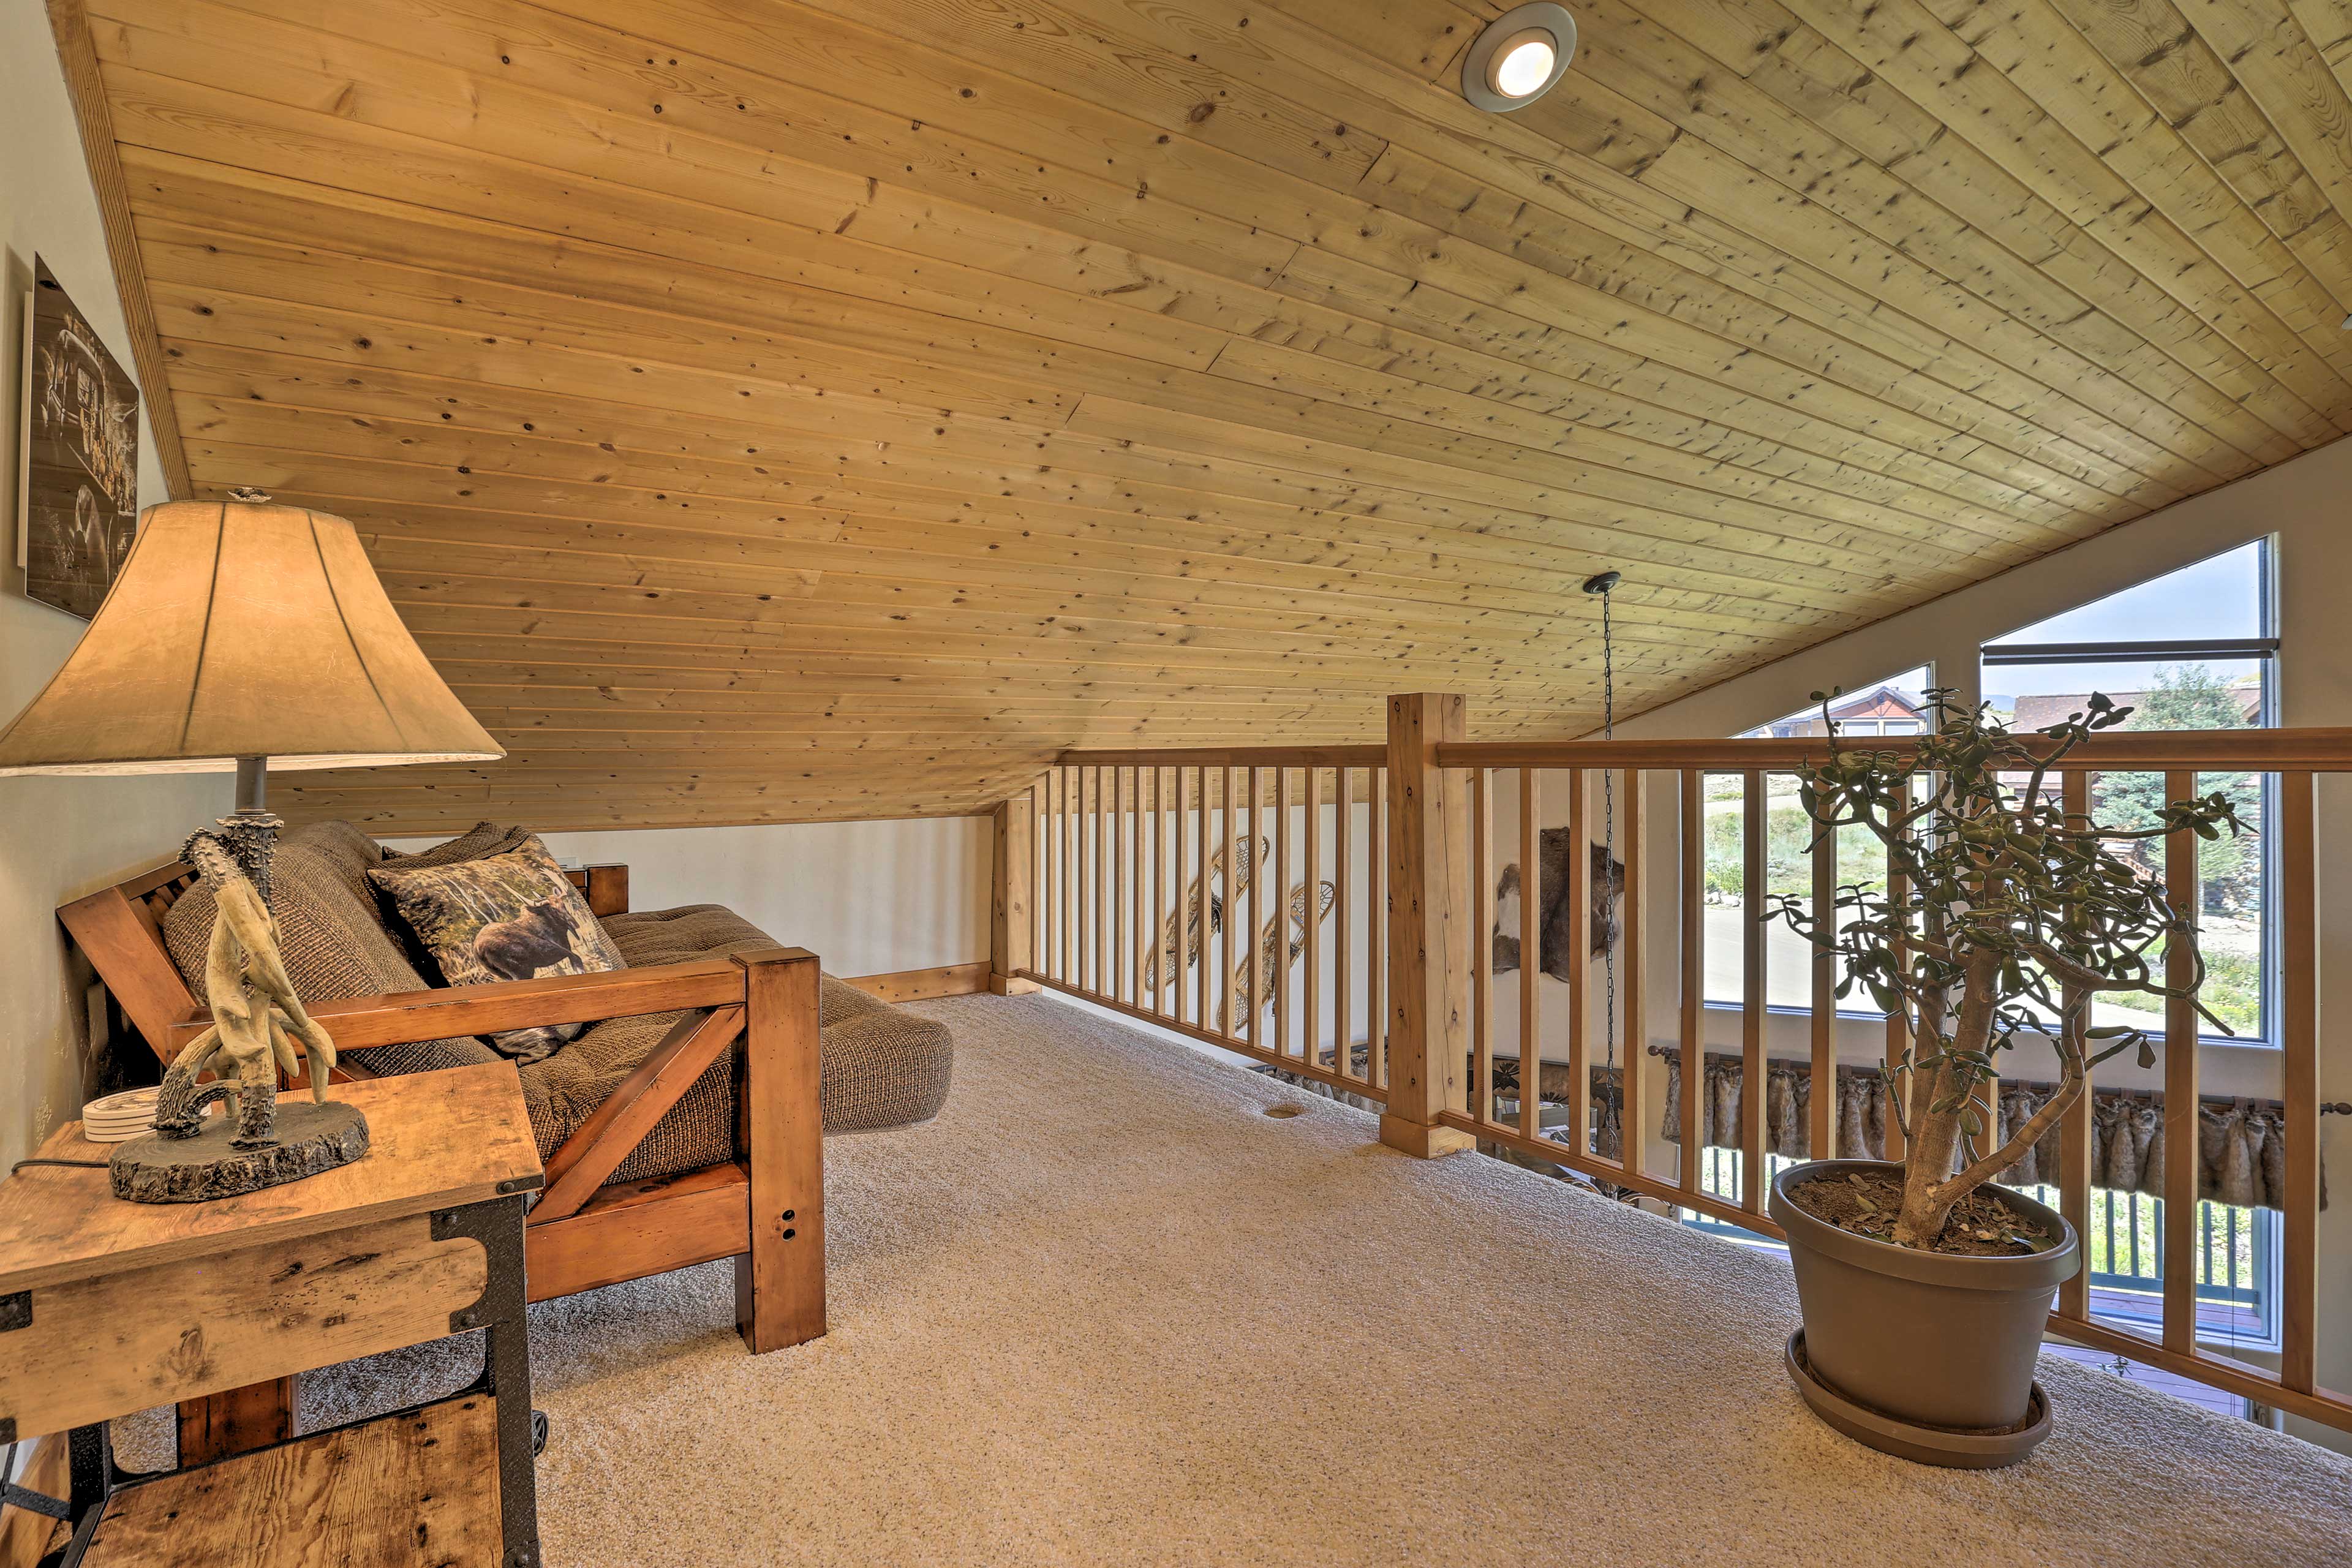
[(1924, 1287)]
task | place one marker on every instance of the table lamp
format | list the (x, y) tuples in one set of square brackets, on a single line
[(242, 634)]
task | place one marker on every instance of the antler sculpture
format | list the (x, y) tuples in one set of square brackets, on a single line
[(254, 1010)]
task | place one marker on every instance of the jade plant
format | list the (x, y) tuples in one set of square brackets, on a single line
[(2006, 919)]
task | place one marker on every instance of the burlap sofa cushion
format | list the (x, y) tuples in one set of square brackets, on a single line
[(881, 1066)]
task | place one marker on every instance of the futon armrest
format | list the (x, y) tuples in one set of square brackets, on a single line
[(360, 1023)]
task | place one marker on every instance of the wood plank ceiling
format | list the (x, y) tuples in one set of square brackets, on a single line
[(780, 409)]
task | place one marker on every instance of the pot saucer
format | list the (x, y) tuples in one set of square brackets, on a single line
[(1953, 1447)]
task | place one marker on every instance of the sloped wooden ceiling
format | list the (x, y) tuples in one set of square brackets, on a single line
[(769, 410)]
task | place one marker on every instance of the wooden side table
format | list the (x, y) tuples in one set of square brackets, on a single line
[(108, 1308)]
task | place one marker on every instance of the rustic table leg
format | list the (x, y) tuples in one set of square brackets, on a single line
[(236, 1421), (501, 1313)]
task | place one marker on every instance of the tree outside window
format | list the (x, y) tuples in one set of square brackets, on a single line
[(2211, 670)]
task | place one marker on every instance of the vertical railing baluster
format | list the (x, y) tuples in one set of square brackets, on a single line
[(1138, 923), (1482, 945), (2299, 1040), (1102, 884), (1079, 869), (1343, 935), (1530, 952), (2181, 1138), (1079, 922), (1578, 958), (1310, 1048), (1187, 890), (1376, 961), (1058, 918), (1898, 1025), (2074, 1130), (1262, 866), (1282, 911), (1073, 915), (1040, 883), (1752, 1085), (1048, 883), (1633, 983), (1201, 984), (1821, 1140), (1153, 933), (1233, 914), (1122, 872), (1693, 866)]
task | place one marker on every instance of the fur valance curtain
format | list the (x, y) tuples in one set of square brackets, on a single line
[(2242, 1152)]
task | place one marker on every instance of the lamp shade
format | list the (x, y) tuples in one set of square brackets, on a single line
[(242, 629)]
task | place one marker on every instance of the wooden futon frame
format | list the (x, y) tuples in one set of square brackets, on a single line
[(766, 1210)]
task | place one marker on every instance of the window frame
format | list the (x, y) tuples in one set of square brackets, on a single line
[(2262, 651)]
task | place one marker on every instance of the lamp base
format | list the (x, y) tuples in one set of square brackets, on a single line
[(312, 1138), (251, 831)]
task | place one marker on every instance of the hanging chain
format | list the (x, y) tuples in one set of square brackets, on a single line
[(1609, 845)]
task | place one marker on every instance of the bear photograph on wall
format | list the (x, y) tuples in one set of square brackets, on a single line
[(78, 502)]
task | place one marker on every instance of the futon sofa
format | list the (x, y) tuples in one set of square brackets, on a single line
[(686, 1124), (882, 1066)]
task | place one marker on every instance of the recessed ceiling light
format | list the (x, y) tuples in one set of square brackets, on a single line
[(1518, 58), (1523, 64)]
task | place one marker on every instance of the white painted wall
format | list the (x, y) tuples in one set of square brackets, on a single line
[(59, 837), (867, 898)]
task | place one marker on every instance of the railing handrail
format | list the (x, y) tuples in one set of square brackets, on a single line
[(2318, 749), (1371, 756)]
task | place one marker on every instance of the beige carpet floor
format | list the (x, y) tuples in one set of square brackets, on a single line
[(1106, 1311)]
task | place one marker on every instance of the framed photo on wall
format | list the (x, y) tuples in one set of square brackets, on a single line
[(78, 502)]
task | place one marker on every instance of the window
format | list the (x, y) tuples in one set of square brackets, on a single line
[(2194, 649), (1898, 706)]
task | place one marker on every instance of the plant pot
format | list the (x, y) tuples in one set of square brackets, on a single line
[(1926, 1342)]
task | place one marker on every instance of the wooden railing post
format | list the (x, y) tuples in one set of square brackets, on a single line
[(1010, 929), (780, 1282), (1429, 905)]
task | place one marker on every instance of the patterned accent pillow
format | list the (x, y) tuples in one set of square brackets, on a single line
[(513, 916)]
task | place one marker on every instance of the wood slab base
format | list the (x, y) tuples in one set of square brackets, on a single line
[(312, 1138)]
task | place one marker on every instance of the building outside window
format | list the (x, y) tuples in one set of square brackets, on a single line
[(1896, 706)]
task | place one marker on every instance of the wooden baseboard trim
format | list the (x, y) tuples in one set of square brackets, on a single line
[(921, 984)]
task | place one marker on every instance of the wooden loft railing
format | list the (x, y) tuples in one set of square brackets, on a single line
[(1391, 995), (1133, 846)]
